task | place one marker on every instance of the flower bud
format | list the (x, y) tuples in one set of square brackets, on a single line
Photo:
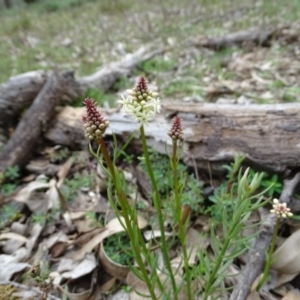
[(176, 132), (95, 124)]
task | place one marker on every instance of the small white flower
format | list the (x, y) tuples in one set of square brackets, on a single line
[(280, 209)]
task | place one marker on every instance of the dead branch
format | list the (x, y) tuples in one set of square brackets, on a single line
[(256, 36), (257, 258), (18, 93), (268, 135), (37, 119), (107, 75)]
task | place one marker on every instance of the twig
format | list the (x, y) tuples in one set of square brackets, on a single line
[(28, 288), (257, 257)]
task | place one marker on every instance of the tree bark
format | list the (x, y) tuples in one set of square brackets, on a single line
[(268, 135), (18, 93), (36, 120)]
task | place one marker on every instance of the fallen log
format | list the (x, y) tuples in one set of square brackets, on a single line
[(19, 92), (36, 120), (255, 36), (268, 135)]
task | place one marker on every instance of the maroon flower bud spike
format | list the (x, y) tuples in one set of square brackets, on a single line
[(176, 132), (95, 124)]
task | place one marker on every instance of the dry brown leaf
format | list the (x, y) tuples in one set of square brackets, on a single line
[(35, 233), (154, 234), (58, 249), (292, 295), (284, 278), (63, 171), (256, 282), (85, 225), (13, 236), (82, 239), (286, 259), (254, 296), (35, 204), (24, 194), (108, 285), (112, 227), (53, 195), (85, 267), (11, 264)]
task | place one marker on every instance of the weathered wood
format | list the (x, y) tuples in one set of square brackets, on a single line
[(108, 74), (268, 135), (256, 36), (18, 93), (36, 120)]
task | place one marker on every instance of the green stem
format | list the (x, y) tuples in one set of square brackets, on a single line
[(269, 257), (220, 257), (107, 158), (181, 227), (130, 230), (157, 205)]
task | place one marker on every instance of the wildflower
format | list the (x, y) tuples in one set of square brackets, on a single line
[(176, 132), (141, 103), (280, 209), (94, 123)]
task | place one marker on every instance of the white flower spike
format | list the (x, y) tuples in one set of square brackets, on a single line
[(141, 103)]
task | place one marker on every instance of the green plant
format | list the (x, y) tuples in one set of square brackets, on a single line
[(12, 173), (117, 247), (93, 217), (242, 199), (127, 158), (158, 64), (8, 214), (41, 274), (46, 217), (281, 211), (115, 6), (193, 188), (79, 181), (272, 184), (9, 180), (58, 155), (233, 205), (100, 97)]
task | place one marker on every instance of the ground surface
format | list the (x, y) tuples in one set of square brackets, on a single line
[(71, 35), (84, 35)]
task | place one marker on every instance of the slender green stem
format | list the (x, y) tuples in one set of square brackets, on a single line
[(270, 254), (220, 257), (181, 227), (129, 225), (107, 158), (158, 209)]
